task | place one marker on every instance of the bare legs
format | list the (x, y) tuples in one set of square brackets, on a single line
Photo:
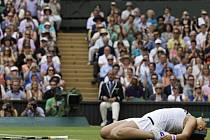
[(124, 130)]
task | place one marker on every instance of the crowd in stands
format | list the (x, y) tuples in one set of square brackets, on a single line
[(164, 50), (151, 57), (30, 67)]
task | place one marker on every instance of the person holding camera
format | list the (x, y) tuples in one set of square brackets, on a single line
[(33, 110), (8, 111), (55, 106)]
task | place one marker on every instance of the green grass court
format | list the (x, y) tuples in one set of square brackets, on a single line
[(79, 133)]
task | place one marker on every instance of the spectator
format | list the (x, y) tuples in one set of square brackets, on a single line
[(176, 40), (7, 56), (15, 93), (203, 77), (53, 88), (150, 88), (56, 8), (125, 14), (206, 89), (46, 80), (134, 92), (49, 63), (102, 60), (201, 37), (55, 105), (198, 95), (35, 92), (176, 96), (129, 29), (111, 95), (166, 77), (106, 68), (33, 110), (159, 95), (8, 110), (188, 89), (168, 32), (28, 21), (113, 29), (167, 16), (163, 64)]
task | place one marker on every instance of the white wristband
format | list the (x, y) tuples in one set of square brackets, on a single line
[(173, 137)]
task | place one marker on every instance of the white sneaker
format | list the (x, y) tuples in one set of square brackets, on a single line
[(103, 123), (114, 121)]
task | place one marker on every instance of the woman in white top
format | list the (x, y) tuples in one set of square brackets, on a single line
[(164, 124)]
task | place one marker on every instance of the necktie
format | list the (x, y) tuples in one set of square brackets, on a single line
[(110, 85)]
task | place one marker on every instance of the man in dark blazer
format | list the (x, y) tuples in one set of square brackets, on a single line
[(111, 95)]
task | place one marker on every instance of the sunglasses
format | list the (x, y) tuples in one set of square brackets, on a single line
[(158, 88)]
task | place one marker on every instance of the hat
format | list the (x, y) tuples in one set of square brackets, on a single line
[(129, 3), (110, 57), (197, 85), (103, 31), (47, 8), (135, 77), (113, 3), (185, 13), (98, 18), (204, 12), (47, 23), (14, 68), (158, 41), (44, 39), (57, 75)]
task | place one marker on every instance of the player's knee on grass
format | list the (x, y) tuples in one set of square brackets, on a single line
[(105, 133), (117, 133)]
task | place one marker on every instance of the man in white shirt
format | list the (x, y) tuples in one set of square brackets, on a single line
[(201, 37), (102, 60), (125, 14), (98, 44), (154, 52)]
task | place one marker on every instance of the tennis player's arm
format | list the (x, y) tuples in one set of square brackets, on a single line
[(188, 129)]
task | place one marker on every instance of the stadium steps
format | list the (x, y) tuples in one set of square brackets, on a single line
[(74, 58)]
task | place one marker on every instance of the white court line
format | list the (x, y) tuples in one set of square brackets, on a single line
[(50, 137)]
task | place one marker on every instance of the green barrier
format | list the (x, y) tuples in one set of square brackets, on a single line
[(205, 115), (41, 121)]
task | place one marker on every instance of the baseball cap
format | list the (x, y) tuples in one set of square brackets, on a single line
[(158, 41), (14, 68)]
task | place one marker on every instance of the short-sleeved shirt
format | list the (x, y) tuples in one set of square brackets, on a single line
[(20, 95), (51, 105)]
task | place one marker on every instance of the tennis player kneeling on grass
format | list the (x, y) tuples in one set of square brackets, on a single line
[(161, 124)]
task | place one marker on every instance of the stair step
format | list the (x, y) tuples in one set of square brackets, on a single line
[(68, 48), (76, 70), (72, 40), (74, 62), (72, 56), (74, 53), (75, 44), (73, 79), (82, 84), (89, 90)]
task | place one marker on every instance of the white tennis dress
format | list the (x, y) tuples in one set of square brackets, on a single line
[(165, 120)]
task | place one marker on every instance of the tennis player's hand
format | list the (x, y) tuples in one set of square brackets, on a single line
[(166, 137)]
